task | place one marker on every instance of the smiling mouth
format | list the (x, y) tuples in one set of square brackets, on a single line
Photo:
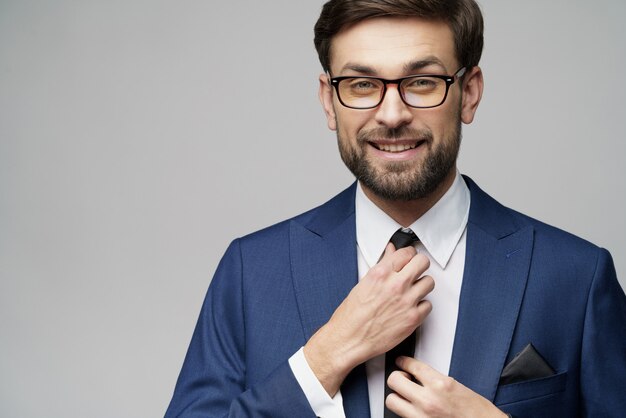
[(396, 147)]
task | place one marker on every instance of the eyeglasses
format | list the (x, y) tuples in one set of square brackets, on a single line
[(419, 91)]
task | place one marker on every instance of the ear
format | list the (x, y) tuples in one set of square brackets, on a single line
[(472, 93), (326, 98)]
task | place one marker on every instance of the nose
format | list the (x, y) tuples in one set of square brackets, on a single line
[(393, 112)]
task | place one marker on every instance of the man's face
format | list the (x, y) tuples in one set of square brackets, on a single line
[(396, 151)]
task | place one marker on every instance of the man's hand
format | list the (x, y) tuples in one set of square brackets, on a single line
[(380, 311), (437, 396)]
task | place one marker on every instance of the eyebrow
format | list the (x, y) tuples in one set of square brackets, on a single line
[(423, 63), (358, 68), (409, 68)]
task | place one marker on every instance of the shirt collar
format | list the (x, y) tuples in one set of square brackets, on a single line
[(439, 229)]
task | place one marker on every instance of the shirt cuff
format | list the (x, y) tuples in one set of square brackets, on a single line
[(322, 404)]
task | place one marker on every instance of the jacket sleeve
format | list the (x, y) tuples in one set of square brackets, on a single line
[(212, 382), (603, 358)]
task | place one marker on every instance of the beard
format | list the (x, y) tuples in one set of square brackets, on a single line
[(402, 180)]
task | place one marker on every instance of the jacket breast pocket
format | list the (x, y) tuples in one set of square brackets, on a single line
[(531, 389)]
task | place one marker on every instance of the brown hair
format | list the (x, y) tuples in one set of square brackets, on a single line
[(463, 16)]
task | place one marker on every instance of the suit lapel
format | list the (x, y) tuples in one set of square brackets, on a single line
[(497, 262), (324, 270)]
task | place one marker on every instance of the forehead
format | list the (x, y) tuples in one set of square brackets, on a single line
[(390, 47)]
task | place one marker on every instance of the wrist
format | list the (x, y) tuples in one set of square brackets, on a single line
[(326, 361)]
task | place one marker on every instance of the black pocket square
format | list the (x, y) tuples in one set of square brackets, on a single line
[(526, 365)]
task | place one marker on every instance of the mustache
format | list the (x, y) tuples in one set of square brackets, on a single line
[(402, 132)]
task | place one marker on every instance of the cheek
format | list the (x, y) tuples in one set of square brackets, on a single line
[(351, 121), (442, 121), (442, 127)]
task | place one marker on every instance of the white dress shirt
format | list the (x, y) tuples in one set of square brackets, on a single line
[(441, 231)]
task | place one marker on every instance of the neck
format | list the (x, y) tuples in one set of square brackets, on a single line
[(407, 212)]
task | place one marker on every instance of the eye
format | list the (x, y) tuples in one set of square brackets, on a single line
[(363, 85), (422, 83)]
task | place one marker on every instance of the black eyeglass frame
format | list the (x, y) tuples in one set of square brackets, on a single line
[(449, 80)]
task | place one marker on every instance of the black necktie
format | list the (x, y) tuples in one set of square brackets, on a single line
[(400, 239)]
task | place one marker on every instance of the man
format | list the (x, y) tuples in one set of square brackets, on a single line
[(509, 315)]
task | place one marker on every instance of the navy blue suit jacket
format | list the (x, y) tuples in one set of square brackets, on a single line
[(524, 282)]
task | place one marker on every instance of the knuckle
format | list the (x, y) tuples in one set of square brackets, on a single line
[(396, 287), (414, 316), (443, 384), (378, 272), (429, 406)]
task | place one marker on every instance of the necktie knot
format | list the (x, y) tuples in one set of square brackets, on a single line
[(403, 238)]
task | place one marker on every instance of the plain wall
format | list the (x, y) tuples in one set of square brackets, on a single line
[(137, 138)]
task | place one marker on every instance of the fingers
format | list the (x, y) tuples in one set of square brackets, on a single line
[(400, 406), (417, 265), (418, 286), (389, 249), (403, 383), (423, 308), (421, 288), (405, 393), (421, 371), (440, 395), (397, 259), (405, 260), (409, 266)]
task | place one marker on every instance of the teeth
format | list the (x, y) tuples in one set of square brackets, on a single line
[(395, 147)]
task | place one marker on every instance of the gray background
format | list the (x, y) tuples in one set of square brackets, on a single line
[(132, 152)]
